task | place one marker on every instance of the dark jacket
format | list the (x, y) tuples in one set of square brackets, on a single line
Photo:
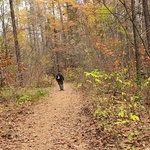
[(59, 78)]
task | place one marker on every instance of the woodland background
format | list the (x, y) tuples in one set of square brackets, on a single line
[(103, 46)]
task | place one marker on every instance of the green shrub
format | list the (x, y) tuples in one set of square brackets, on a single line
[(21, 95), (32, 95)]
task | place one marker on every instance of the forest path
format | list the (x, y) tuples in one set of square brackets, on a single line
[(63, 121), (55, 124)]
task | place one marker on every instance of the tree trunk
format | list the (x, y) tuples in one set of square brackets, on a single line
[(137, 55), (56, 61), (147, 22), (17, 49), (4, 29), (61, 21)]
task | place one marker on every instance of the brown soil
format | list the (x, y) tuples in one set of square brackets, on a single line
[(58, 123), (64, 121)]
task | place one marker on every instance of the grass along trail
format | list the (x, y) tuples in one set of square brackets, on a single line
[(53, 125), (64, 121)]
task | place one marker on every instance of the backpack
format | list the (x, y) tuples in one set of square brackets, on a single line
[(58, 77)]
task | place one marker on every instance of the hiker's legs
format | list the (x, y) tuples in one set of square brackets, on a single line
[(61, 86)]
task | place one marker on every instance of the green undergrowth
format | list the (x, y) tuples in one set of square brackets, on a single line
[(22, 95), (120, 106), (32, 93)]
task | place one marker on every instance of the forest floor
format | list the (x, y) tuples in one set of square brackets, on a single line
[(63, 121)]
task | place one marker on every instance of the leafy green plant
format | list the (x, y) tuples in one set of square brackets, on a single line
[(21, 95), (32, 95), (122, 122), (122, 112), (99, 113), (134, 117), (79, 85), (119, 110), (23, 98), (147, 82), (109, 82), (132, 135)]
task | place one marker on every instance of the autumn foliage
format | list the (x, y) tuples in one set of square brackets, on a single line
[(102, 46)]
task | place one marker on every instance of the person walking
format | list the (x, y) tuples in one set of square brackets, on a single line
[(60, 79)]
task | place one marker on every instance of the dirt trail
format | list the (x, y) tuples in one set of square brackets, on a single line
[(64, 121), (54, 123)]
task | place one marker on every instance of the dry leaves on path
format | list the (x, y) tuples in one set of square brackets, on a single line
[(54, 124)]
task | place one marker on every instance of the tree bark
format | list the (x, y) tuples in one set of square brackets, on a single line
[(61, 21), (57, 67), (147, 22), (4, 29), (17, 49), (137, 55)]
